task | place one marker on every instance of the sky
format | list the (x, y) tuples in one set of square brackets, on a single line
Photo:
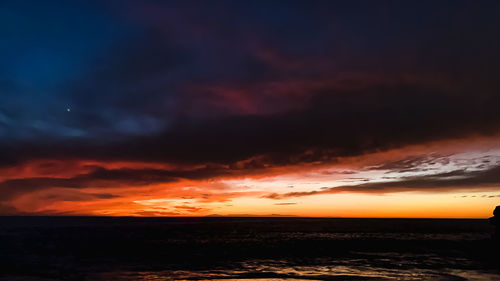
[(250, 108)]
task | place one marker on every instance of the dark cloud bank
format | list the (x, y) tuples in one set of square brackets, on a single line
[(220, 82)]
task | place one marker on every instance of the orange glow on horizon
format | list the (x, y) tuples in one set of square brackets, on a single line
[(244, 188)]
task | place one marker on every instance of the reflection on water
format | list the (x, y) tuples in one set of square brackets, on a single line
[(389, 266), (126, 249)]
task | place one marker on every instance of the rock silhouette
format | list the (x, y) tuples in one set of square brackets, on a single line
[(495, 220)]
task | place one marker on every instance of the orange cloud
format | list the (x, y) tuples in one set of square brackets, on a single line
[(119, 188)]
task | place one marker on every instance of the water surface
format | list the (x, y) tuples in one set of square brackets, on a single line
[(86, 248)]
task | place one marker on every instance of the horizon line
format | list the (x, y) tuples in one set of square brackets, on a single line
[(249, 216)]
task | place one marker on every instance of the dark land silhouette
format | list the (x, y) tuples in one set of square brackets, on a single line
[(495, 220)]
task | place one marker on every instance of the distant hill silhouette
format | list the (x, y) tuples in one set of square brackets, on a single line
[(250, 215)]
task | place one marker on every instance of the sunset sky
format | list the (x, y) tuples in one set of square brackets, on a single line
[(250, 108)]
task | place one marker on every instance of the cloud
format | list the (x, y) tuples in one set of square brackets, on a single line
[(266, 91), (203, 92), (413, 163), (156, 214), (98, 178), (358, 128), (454, 180), (6, 210), (95, 176), (190, 209)]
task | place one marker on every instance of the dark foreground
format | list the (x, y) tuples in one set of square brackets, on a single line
[(90, 248)]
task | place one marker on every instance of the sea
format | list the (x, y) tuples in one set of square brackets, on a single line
[(246, 248)]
